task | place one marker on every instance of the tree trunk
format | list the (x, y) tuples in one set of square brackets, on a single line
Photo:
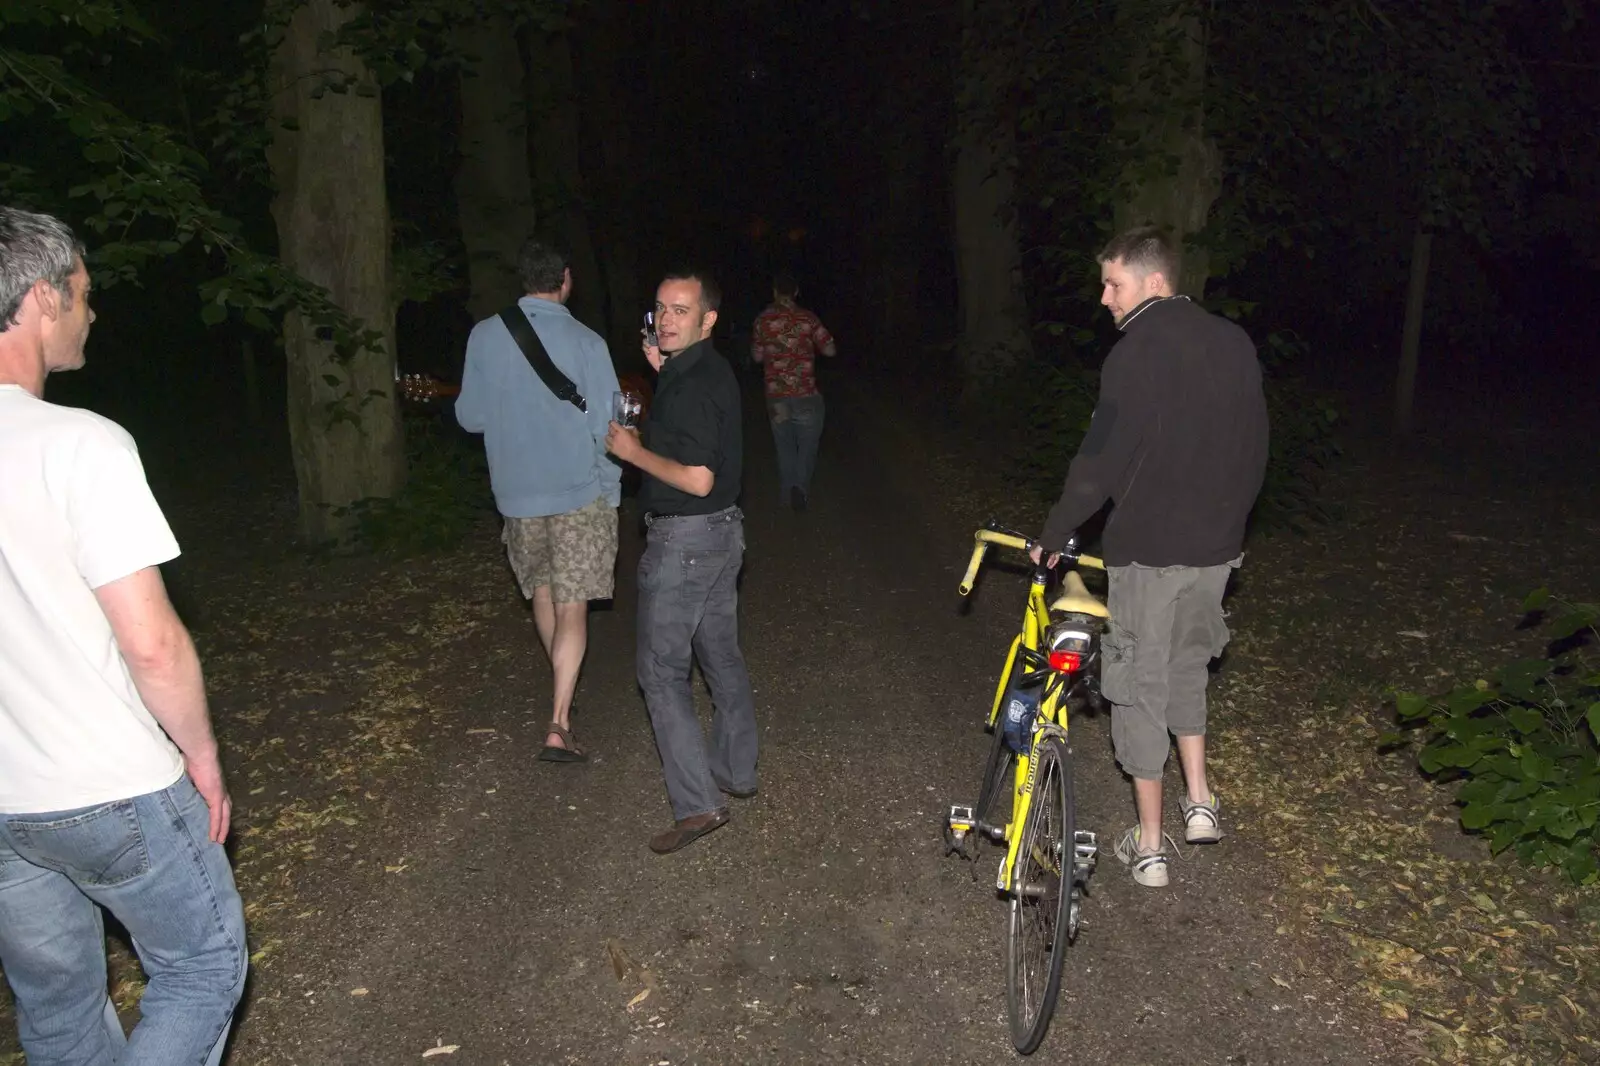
[(1172, 172), (994, 306), (600, 49), (1411, 338), (332, 214), (494, 192), (557, 172)]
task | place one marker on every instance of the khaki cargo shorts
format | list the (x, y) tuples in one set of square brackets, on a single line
[(573, 553), (1167, 625)]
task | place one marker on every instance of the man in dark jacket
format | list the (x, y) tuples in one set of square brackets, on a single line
[(1179, 444)]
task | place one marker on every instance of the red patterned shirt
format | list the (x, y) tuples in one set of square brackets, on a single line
[(786, 339)]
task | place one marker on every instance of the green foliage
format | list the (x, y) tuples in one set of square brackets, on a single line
[(1353, 121), (1044, 411), (1523, 747), (141, 191), (445, 498)]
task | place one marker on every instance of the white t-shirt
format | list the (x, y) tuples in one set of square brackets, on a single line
[(75, 513)]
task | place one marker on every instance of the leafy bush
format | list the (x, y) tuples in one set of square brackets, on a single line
[(1524, 747), (1044, 410), (445, 497), (1304, 442)]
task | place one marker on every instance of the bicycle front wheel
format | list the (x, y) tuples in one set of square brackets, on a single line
[(1042, 897)]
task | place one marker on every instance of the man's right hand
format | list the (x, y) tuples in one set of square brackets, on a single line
[(206, 774), (165, 668), (652, 353), (1036, 552)]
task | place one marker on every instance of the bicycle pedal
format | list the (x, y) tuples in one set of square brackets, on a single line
[(957, 827), (1085, 853)]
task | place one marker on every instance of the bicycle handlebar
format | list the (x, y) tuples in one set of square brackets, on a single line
[(1006, 539)]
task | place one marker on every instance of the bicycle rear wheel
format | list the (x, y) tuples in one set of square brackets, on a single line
[(1042, 896)]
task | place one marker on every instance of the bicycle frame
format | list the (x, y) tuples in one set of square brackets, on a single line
[(1053, 705)]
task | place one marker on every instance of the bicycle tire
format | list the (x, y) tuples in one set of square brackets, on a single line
[(1039, 930)]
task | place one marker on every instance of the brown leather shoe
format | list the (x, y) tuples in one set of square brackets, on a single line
[(688, 830)]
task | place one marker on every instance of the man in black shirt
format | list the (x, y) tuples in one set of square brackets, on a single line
[(691, 455), (1179, 443)]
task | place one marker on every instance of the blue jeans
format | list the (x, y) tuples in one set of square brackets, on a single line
[(689, 609), (796, 430), (149, 862)]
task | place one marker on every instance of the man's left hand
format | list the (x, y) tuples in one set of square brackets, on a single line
[(623, 442), (1036, 552)]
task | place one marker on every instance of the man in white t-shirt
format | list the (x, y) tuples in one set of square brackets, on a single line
[(111, 793)]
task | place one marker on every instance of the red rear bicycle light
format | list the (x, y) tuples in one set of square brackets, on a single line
[(1068, 645), (1065, 662)]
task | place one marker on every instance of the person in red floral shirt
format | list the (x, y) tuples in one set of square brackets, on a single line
[(786, 340)]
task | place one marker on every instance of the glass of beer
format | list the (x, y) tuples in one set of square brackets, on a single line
[(626, 408)]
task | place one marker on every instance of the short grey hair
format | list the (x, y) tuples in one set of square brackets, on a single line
[(33, 247), (1145, 250)]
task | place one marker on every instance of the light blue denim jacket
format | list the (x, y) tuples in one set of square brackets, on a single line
[(545, 456)]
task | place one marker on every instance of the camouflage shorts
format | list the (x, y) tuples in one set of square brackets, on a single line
[(573, 553)]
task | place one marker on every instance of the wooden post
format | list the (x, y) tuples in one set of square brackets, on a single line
[(1411, 339)]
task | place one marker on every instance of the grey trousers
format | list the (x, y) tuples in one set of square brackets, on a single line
[(688, 609), (1166, 627)]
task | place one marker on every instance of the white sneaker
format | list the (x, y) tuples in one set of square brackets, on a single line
[(1202, 823), (1149, 867)]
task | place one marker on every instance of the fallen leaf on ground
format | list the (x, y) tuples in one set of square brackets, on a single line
[(621, 963), (441, 1049)]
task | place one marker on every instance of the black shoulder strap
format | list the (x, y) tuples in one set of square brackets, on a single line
[(533, 350)]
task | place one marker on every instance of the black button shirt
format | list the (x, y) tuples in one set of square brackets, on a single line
[(695, 420)]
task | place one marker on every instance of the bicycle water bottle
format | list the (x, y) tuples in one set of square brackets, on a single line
[(1017, 716)]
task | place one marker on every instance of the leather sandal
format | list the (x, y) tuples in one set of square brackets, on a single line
[(570, 753), (687, 830)]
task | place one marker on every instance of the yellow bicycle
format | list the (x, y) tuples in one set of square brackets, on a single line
[(1053, 664)]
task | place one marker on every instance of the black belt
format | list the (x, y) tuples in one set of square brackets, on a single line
[(652, 517)]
